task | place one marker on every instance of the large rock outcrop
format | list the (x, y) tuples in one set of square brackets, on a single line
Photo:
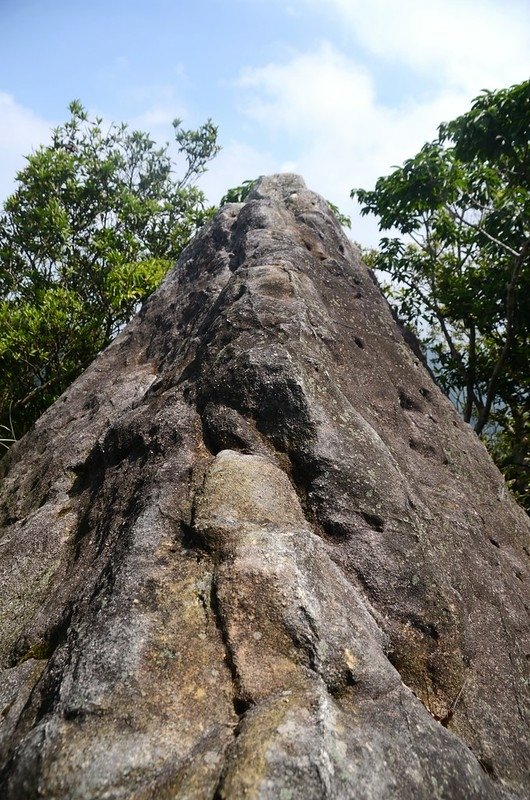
[(253, 552)]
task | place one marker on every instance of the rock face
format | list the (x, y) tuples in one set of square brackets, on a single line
[(253, 552)]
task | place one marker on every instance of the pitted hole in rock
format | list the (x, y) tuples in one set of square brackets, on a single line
[(426, 628), (76, 714), (358, 341), (424, 448), (191, 541), (426, 393), (344, 685), (494, 542), (376, 522), (407, 402), (241, 706), (338, 531), (488, 767)]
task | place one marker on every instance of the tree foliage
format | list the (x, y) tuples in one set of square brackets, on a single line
[(459, 266), (237, 194), (97, 218)]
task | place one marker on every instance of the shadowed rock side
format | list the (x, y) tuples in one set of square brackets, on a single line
[(253, 552)]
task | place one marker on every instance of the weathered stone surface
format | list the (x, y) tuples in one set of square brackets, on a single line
[(254, 553)]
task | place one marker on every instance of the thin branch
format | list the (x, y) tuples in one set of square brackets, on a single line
[(24, 400), (447, 336), (480, 229), (471, 368)]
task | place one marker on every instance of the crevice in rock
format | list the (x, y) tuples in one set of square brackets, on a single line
[(120, 444), (31, 782), (435, 698), (336, 531), (92, 533), (368, 587), (209, 439), (190, 540), (445, 719), (301, 474), (49, 688), (240, 703), (306, 642), (43, 648), (104, 581), (196, 351), (218, 791), (225, 428)]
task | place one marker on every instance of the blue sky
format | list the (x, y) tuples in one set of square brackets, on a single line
[(337, 90)]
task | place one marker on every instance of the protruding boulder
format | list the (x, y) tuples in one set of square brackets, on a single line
[(253, 552)]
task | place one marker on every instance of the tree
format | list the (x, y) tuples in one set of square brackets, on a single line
[(97, 218), (459, 268)]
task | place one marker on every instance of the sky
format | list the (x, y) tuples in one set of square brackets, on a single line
[(339, 91)]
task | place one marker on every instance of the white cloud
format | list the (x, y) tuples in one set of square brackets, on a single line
[(325, 105), (156, 119), (160, 104), (469, 44), (306, 90), (21, 131)]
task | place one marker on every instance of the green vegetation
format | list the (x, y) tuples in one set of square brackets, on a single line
[(459, 268), (237, 194), (97, 218)]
